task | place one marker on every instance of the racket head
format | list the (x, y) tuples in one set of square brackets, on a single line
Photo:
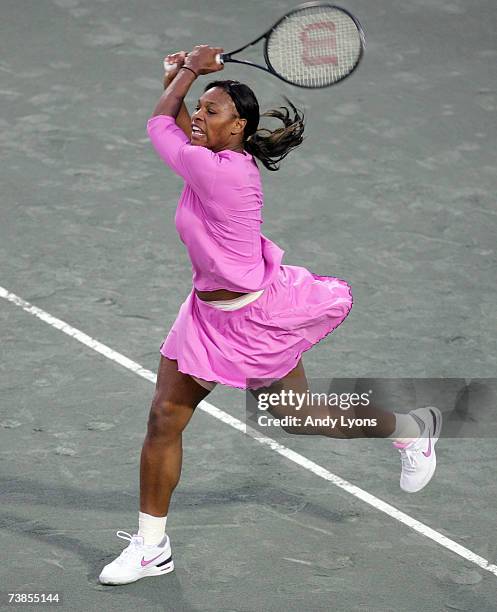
[(315, 45)]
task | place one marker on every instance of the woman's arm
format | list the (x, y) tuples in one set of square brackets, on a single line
[(183, 119), (171, 100), (202, 60), (196, 165)]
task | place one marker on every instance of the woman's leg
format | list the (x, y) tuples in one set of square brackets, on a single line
[(149, 552), (175, 399), (414, 434), (296, 381)]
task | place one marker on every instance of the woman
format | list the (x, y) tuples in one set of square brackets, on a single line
[(248, 318)]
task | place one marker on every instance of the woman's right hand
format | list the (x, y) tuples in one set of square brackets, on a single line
[(173, 58)]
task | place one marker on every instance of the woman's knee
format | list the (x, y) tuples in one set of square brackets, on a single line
[(167, 418)]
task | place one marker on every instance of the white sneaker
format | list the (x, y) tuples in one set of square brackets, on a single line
[(418, 458), (138, 561)]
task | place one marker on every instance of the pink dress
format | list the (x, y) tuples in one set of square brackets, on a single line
[(218, 218)]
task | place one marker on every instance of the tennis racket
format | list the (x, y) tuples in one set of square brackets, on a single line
[(314, 45)]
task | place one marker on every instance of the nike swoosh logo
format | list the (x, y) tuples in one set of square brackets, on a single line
[(145, 563), (428, 452)]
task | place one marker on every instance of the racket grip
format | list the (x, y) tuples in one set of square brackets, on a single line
[(168, 67)]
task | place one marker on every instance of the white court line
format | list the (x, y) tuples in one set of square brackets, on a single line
[(286, 452)]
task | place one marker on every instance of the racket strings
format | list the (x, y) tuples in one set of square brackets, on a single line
[(315, 47)]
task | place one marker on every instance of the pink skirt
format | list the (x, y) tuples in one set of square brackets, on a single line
[(262, 341)]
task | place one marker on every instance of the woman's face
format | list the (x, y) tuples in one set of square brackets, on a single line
[(215, 122)]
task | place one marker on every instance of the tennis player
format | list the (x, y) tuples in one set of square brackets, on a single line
[(248, 318)]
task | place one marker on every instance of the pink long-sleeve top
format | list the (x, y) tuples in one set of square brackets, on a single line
[(219, 214)]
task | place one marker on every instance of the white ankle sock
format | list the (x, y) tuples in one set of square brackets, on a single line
[(407, 428), (151, 528)]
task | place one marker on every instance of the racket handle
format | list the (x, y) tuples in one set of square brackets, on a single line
[(168, 67)]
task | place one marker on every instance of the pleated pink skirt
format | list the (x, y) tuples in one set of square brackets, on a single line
[(262, 341)]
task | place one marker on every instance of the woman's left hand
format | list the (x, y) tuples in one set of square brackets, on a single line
[(202, 59)]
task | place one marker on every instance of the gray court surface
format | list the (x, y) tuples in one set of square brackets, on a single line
[(394, 190)]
